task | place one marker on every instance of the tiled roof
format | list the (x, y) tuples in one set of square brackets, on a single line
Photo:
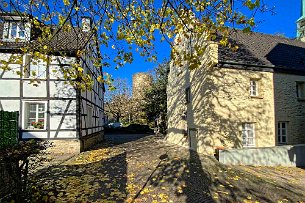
[(66, 41), (264, 49)]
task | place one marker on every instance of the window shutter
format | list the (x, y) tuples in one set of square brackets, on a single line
[(5, 30)]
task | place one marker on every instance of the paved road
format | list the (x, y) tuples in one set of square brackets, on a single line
[(149, 170), (123, 138)]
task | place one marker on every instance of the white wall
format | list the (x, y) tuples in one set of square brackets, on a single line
[(60, 89), (9, 88), (9, 105), (29, 90)]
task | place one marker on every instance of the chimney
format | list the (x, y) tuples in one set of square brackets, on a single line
[(86, 24)]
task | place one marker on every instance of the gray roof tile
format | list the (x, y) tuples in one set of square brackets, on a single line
[(264, 49)]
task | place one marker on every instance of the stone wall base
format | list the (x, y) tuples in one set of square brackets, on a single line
[(90, 141), (75, 146), (287, 155)]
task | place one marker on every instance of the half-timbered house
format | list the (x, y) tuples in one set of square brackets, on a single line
[(53, 109)]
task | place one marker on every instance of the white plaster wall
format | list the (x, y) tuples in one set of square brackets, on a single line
[(64, 134), (59, 106), (11, 73), (14, 67), (55, 60), (69, 122), (9, 88), (54, 66), (29, 90), (9, 105), (60, 89)]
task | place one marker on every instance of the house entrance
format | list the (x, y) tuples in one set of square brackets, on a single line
[(193, 139)]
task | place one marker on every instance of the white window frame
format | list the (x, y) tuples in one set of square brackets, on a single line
[(25, 116), (280, 131), (253, 87), (7, 35), (39, 67), (246, 128)]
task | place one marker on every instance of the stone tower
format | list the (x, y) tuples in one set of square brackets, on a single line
[(140, 83), (301, 23)]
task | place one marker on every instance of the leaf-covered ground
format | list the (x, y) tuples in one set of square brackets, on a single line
[(149, 170)]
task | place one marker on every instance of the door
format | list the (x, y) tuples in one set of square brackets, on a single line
[(193, 139)]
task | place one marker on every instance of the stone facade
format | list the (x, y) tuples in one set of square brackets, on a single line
[(220, 102), (140, 83), (289, 108), (92, 140)]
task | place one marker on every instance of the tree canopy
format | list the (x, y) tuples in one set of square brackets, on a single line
[(155, 105), (125, 26)]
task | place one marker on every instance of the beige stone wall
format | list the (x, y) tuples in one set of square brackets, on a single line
[(90, 141), (220, 103), (288, 108)]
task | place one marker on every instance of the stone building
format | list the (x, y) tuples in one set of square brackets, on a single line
[(141, 82), (54, 109), (252, 97)]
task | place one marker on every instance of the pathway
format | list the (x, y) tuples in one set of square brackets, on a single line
[(149, 170)]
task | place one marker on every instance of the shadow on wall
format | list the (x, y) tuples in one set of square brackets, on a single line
[(220, 103)]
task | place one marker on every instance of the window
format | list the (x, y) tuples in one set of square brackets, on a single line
[(300, 89), (188, 95), (89, 117), (34, 69), (14, 30), (282, 132), (248, 136), (253, 88), (35, 115)]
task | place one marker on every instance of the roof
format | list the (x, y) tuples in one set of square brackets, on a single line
[(64, 41), (265, 50)]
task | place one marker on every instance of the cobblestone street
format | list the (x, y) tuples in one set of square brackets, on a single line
[(150, 170)]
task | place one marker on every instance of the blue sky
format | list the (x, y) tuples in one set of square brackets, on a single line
[(282, 22)]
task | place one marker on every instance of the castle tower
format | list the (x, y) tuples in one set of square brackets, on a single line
[(301, 23), (140, 83)]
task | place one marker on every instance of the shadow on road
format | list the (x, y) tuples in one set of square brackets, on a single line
[(121, 137), (86, 179)]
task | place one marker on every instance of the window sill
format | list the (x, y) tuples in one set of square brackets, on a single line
[(249, 146), (14, 40), (35, 129), (256, 97)]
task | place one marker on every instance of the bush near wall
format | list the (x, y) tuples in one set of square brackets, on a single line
[(14, 167), (8, 129)]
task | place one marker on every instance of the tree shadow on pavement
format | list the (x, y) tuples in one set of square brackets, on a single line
[(85, 179), (186, 175)]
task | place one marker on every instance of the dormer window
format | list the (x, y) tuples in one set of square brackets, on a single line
[(14, 30)]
